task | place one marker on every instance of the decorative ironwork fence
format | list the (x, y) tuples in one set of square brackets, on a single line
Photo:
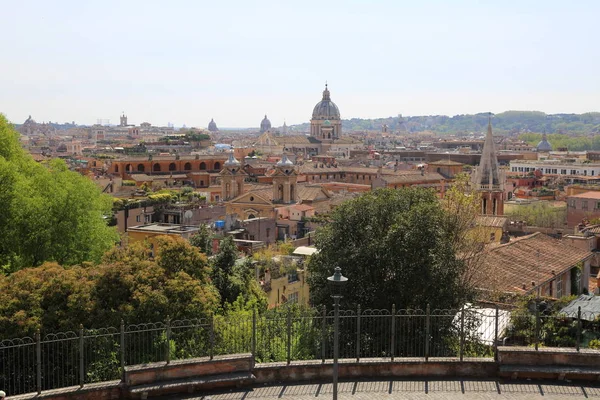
[(54, 360)]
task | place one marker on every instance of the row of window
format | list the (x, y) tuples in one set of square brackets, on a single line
[(342, 176), (552, 171), (584, 204), (172, 167)]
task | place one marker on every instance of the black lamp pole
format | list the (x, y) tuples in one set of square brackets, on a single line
[(337, 281)]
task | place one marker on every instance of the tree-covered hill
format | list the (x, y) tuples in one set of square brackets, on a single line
[(507, 122)]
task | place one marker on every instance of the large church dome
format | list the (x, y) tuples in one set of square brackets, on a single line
[(265, 124), (212, 126), (544, 144), (326, 109)]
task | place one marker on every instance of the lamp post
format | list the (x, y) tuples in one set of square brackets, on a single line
[(337, 281)]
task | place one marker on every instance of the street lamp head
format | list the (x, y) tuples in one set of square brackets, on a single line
[(337, 281)]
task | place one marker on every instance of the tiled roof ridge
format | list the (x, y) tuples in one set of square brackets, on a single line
[(519, 239)]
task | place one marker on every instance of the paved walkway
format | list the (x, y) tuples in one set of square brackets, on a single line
[(431, 389)]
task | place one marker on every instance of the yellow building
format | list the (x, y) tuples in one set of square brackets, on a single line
[(286, 285), (489, 229)]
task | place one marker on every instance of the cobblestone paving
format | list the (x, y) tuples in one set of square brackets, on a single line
[(432, 389)]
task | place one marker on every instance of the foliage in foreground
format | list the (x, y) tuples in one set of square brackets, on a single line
[(127, 285), (396, 247), (48, 212)]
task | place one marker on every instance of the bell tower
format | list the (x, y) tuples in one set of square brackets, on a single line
[(285, 182), (489, 178), (123, 120), (232, 178)]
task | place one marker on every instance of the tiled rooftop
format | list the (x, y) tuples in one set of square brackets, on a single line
[(538, 258)]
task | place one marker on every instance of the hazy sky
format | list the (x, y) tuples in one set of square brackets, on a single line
[(187, 61)]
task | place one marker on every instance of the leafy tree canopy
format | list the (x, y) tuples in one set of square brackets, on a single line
[(48, 212), (126, 285), (233, 277), (396, 247)]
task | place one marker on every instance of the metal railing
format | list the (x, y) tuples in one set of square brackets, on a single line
[(55, 360)]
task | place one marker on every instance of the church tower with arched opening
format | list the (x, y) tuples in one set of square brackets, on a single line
[(489, 178), (232, 178), (285, 181)]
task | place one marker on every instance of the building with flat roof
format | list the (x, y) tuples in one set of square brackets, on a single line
[(149, 232)]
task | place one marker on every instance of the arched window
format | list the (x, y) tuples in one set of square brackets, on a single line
[(156, 167), (116, 167), (140, 168), (172, 167), (187, 166), (217, 165), (202, 166), (128, 168), (251, 216)]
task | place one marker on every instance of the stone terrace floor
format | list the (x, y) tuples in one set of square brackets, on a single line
[(417, 389)]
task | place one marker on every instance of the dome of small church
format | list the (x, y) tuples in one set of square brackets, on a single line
[(326, 109), (212, 126), (231, 161), (265, 124), (544, 144), (284, 162)]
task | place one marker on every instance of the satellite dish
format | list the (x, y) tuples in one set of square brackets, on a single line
[(188, 214)]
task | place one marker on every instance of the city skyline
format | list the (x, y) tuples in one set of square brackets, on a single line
[(190, 62)]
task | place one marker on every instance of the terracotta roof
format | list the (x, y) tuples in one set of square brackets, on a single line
[(304, 192), (491, 221), (537, 258), (595, 195), (302, 207), (445, 163), (413, 177), (285, 140), (312, 193)]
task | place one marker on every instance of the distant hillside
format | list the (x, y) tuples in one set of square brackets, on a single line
[(509, 122)]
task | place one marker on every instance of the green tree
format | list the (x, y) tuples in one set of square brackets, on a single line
[(234, 277), (49, 213), (127, 285), (396, 247), (202, 239)]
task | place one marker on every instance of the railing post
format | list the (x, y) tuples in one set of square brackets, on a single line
[(168, 341), (123, 350), (393, 338), (253, 344), (211, 334), (38, 359), (537, 326), (462, 333), (358, 334), (323, 334), (427, 331), (578, 326), (289, 337), (496, 334), (81, 361)]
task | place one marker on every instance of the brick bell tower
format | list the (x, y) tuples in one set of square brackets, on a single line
[(489, 178)]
